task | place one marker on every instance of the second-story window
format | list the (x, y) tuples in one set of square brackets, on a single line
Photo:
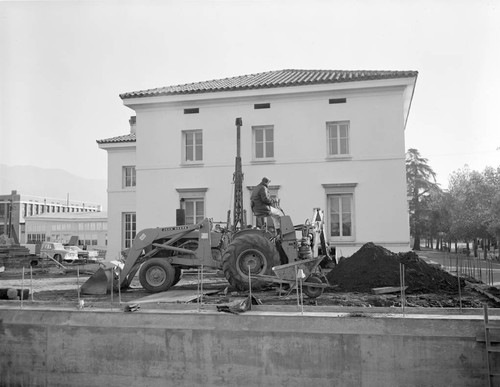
[(263, 142), (337, 134), (192, 146), (129, 176)]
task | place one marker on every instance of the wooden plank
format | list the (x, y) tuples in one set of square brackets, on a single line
[(172, 296), (388, 289)]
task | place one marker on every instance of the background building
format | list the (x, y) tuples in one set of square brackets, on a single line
[(327, 139), (91, 228), (15, 208)]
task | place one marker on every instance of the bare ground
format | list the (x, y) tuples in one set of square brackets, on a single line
[(51, 285)]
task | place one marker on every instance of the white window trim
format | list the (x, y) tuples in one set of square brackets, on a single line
[(341, 189), (124, 177), (339, 156), (193, 194), (255, 159), (185, 162), (124, 215)]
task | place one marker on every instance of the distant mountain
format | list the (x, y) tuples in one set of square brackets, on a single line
[(52, 183)]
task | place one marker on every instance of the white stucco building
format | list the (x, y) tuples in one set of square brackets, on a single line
[(328, 139)]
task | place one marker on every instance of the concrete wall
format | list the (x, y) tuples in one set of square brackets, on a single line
[(258, 348)]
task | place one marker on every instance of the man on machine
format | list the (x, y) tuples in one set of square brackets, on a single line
[(262, 203)]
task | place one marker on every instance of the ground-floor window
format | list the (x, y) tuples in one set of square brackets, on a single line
[(340, 214), (340, 202), (193, 203), (129, 229), (195, 210), (35, 238)]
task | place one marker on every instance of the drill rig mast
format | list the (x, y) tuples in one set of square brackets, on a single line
[(238, 213)]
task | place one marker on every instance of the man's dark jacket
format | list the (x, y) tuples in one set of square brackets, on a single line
[(260, 200)]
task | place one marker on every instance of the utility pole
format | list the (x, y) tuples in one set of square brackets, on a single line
[(10, 218), (238, 218)]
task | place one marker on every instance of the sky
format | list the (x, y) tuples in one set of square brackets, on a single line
[(63, 65)]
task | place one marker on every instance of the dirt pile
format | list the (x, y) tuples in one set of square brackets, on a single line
[(373, 266)]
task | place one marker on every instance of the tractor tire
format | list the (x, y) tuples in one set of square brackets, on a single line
[(178, 275), (156, 275), (252, 250), (312, 292)]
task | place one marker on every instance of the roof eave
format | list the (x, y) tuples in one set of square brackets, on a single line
[(146, 101)]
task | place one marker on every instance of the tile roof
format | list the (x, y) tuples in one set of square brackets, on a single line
[(272, 79), (125, 138)]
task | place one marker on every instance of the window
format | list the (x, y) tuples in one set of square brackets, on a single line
[(129, 176), (263, 142), (195, 210), (337, 100), (262, 106), (193, 203), (192, 146), (337, 134), (129, 229), (340, 211), (191, 111)]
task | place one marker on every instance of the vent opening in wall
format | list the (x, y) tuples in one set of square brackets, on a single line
[(192, 111), (262, 106), (337, 100)]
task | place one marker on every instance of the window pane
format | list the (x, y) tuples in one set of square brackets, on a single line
[(269, 134), (189, 153), (269, 149), (259, 150), (199, 153), (189, 207), (333, 146), (259, 135), (335, 225), (343, 131), (198, 138), (344, 149)]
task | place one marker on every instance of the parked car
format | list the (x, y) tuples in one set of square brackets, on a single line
[(57, 252), (87, 255)]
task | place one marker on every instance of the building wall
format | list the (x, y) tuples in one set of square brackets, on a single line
[(120, 199), (91, 230), (300, 166), (22, 206)]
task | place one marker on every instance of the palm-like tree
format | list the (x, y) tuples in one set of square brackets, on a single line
[(420, 180)]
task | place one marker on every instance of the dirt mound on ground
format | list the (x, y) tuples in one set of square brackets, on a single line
[(373, 266)]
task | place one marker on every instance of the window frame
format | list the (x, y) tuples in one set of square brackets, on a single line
[(193, 195), (264, 128), (339, 155), (129, 182), (184, 151), (128, 241), (339, 190)]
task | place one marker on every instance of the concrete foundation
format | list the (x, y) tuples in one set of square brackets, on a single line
[(157, 347)]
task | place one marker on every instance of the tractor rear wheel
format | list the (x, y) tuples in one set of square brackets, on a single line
[(157, 275), (251, 252)]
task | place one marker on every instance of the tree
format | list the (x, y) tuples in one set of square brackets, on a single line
[(474, 195), (420, 180)]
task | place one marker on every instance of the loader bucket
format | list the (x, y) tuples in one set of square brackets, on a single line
[(99, 283)]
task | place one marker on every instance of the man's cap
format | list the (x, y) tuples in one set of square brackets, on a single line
[(266, 180)]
